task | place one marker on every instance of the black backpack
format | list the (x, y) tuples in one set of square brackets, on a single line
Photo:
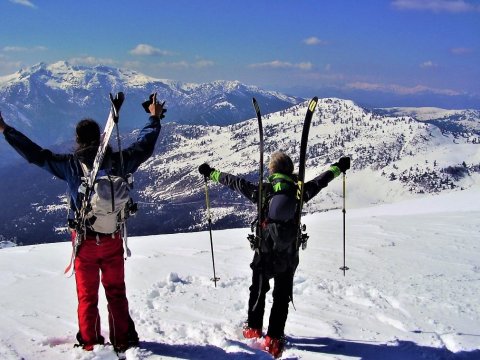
[(280, 230)]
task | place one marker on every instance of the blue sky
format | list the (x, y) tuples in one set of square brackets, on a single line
[(373, 50)]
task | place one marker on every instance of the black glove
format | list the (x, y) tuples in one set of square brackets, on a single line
[(343, 164), (153, 99), (205, 170)]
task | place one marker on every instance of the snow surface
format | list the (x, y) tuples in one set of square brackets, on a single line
[(411, 292)]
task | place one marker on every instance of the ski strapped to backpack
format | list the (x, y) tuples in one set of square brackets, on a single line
[(255, 239), (263, 203), (87, 188), (302, 236)]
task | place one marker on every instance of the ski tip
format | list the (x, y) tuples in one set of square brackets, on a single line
[(256, 107), (313, 104), (69, 271), (116, 104)]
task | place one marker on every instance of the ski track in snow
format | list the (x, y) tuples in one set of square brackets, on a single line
[(411, 292)]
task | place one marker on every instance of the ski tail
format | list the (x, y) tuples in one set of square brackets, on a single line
[(312, 105), (69, 270), (116, 103), (260, 172)]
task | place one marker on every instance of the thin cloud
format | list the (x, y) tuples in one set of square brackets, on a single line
[(8, 67), (313, 40), (428, 64), (277, 64), (148, 50), (203, 63), (461, 51), (400, 90), (91, 61), (23, 49), (24, 3), (186, 65), (451, 6)]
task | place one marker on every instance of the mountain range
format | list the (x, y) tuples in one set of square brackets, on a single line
[(397, 153), (50, 97)]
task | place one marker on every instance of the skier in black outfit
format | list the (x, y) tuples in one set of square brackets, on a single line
[(277, 256)]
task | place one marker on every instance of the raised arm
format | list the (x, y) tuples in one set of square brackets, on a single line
[(238, 184), (314, 186), (143, 147), (56, 164)]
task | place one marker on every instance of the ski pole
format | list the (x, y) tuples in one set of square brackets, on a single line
[(344, 267), (207, 200)]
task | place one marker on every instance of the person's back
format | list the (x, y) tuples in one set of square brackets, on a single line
[(279, 227)]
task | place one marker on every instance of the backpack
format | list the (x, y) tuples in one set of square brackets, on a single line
[(280, 229), (108, 202)]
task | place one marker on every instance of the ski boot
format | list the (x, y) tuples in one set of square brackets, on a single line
[(274, 346), (251, 333), (88, 347)]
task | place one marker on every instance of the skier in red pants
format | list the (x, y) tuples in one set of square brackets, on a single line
[(100, 257)]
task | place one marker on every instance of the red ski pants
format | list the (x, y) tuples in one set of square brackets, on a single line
[(100, 258)]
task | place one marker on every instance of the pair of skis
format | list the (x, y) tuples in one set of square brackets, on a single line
[(301, 173), (302, 236), (88, 183), (255, 241)]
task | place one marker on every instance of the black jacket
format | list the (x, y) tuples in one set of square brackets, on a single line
[(250, 190)]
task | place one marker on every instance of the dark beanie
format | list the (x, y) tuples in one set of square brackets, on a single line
[(88, 132)]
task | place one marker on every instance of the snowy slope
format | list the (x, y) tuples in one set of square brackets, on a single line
[(393, 158), (411, 291)]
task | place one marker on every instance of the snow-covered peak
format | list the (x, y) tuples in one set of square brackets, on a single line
[(50, 98)]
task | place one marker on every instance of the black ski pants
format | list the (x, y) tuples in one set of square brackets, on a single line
[(282, 292)]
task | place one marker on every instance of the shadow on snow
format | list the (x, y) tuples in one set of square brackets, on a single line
[(399, 350), (198, 352)]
